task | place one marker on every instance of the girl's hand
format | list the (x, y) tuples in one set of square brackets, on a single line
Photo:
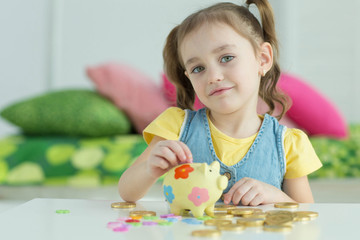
[(252, 192), (167, 154)]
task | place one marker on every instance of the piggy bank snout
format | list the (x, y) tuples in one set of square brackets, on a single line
[(222, 182)]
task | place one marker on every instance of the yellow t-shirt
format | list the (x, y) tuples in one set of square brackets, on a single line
[(301, 158)]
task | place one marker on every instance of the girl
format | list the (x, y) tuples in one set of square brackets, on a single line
[(228, 59)]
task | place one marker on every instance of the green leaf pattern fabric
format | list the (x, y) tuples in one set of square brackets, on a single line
[(73, 161), (340, 158), (89, 162)]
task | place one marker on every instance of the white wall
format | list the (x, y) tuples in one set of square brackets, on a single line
[(48, 44), (322, 46), (125, 31), (24, 51)]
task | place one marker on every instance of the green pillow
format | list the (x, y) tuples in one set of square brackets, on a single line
[(68, 112)]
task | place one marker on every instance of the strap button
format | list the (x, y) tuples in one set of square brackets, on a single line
[(228, 175)]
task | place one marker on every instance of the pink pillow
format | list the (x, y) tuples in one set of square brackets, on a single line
[(170, 94), (310, 111), (130, 90)]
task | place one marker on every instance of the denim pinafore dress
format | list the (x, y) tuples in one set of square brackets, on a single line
[(265, 160)]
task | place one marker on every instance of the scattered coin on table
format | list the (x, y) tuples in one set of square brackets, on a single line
[(227, 218), (286, 205), (123, 205)]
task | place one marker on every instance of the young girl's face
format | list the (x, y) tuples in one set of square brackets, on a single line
[(222, 67)]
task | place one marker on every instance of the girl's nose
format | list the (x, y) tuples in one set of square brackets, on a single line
[(215, 75)]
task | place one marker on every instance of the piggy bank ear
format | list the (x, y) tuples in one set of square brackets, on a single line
[(216, 165), (222, 182)]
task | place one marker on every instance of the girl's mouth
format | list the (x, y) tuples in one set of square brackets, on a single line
[(219, 91)]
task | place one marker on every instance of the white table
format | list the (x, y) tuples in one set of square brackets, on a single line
[(88, 220)]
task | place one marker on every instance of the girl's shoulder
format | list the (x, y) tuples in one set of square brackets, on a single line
[(173, 114), (167, 125), (295, 136), (175, 111), (301, 158)]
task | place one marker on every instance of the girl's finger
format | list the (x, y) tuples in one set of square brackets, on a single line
[(162, 163), (239, 194), (257, 200), (232, 190), (237, 191), (187, 151), (248, 196), (166, 153), (178, 149)]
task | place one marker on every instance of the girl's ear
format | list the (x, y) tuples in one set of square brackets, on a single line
[(266, 58)]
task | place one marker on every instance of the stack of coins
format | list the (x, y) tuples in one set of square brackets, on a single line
[(223, 215), (251, 222), (249, 217), (279, 221), (273, 220), (224, 208)]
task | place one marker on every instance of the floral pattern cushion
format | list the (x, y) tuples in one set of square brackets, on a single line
[(88, 162), (26, 160), (340, 158)]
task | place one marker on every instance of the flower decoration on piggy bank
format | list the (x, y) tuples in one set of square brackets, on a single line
[(194, 186)]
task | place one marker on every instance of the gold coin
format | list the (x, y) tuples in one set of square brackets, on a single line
[(241, 211), (286, 205), (231, 227), (279, 219), (276, 212), (206, 233), (277, 228), (217, 222), (223, 207), (301, 218), (251, 222), (220, 215), (142, 213), (280, 213), (123, 205), (310, 214), (255, 215)]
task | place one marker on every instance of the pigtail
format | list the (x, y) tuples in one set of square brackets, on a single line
[(185, 94), (268, 88)]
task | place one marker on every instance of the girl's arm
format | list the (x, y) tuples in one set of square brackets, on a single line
[(298, 189), (159, 157), (135, 182)]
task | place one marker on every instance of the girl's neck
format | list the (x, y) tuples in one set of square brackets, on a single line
[(237, 124)]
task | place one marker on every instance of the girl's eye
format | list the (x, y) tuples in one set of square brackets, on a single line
[(197, 69), (226, 59)]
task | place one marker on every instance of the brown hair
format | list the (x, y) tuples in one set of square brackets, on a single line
[(243, 22)]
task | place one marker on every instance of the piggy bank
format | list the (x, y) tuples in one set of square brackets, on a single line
[(194, 186)]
